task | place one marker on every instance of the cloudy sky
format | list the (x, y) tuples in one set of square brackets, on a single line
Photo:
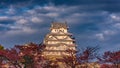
[(92, 22)]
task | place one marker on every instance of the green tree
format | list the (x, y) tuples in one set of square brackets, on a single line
[(1, 47)]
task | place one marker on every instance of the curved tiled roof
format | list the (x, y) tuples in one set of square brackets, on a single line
[(57, 25)]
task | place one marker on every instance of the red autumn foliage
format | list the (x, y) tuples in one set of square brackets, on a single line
[(88, 54), (111, 57), (10, 56), (28, 56), (76, 58), (31, 54), (106, 66)]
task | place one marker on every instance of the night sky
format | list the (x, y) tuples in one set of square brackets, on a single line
[(92, 22)]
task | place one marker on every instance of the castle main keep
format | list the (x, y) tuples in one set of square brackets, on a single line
[(58, 40)]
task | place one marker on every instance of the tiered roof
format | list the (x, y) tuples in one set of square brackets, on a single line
[(58, 25)]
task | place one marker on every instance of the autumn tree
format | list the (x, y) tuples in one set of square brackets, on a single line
[(106, 66), (79, 57), (2, 55), (1, 47), (31, 54), (70, 58), (112, 58), (3, 58), (87, 55), (27, 56), (10, 56)]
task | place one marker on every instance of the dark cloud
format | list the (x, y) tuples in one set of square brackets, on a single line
[(87, 5), (2, 28), (6, 22)]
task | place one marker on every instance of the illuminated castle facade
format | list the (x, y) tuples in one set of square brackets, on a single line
[(58, 41)]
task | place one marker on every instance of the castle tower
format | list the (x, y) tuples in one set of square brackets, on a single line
[(58, 41)]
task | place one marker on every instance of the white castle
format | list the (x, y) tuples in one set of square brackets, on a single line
[(58, 41)]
